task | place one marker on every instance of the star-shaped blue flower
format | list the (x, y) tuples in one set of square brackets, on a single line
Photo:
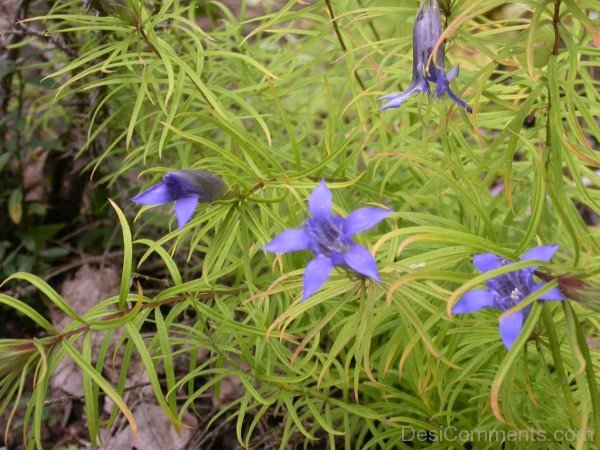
[(329, 237), (186, 188), (507, 290), (427, 69)]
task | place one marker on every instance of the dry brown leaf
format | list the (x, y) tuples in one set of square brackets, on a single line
[(87, 288), (155, 431)]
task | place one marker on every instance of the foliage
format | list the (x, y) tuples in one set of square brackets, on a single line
[(275, 103), (41, 186)]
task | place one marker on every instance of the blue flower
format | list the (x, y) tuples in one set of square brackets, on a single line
[(507, 290), (186, 188), (329, 237), (427, 69)]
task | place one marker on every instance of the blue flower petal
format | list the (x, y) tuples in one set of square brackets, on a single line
[(396, 100), (510, 327), (474, 301), (360, 260), (184, 209), (156, 195), (453, 73), (541, 253), (363, 218), (484, 262), (442, 80), (315, 275), (288, 241), (319, 202), (460, 102), (391, 96), (552, 294)]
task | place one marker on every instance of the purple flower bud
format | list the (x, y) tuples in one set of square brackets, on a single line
[(116, 8), (427, 69), (186, 188), (581, 291)]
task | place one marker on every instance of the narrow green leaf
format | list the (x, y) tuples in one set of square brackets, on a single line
[(127, 256)]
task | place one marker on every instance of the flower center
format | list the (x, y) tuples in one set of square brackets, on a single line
[(512, 288), (515, 294), (327, 236), (174, 187)]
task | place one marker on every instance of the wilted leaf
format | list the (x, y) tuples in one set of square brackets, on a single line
[(88, 287), (15, 206), (155, 431)]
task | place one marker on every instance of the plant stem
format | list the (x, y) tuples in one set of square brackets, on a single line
[(555, 23), (370, 23), (54, 340), (341, 40), (589, 369), (554, 346)]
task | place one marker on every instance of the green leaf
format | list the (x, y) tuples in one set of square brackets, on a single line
[(93, 374), (50, 293), (140, 346), (127, 256)]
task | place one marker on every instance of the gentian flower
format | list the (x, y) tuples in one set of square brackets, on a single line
[(426, 69), (507, 290), (186, 188), (329, 237)]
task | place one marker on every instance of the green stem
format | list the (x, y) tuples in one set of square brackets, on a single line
[(341, 40), (589, 369), (54, 340), (370, 23), (558, 362), (555, 23)]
